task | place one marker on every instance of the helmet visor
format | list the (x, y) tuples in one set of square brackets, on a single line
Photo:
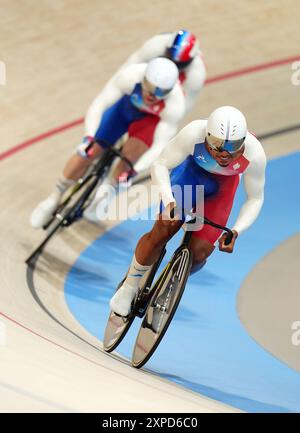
[(158, 92), (220, 144)]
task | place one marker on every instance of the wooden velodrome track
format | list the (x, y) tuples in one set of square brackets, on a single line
[(58, 55)]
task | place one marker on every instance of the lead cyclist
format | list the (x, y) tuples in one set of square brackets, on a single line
[(214, 153)]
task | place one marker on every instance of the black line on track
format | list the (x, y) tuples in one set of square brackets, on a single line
[(30, 282), (281, 131), (31, 286)]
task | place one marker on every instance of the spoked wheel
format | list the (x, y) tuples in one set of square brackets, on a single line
[(168, 292)]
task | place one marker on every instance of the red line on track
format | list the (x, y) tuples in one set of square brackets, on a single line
[(225, 76), (252, 69), (48, 340), (39, 138)]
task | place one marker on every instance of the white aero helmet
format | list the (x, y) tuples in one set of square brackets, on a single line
[(161, 76), (226, 129)]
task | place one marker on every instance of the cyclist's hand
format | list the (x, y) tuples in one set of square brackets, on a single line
[(227, 248), (85, 148), (126, 176)]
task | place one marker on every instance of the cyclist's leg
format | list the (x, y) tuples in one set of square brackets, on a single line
[(140, 138), (111, 129), (132, 149), (151, 244), (201, 249), (112, 126), (147, 252), (77, 165)]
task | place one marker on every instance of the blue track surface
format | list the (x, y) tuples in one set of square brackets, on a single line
[(206, 348)]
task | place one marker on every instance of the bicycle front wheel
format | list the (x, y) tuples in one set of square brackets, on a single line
[(115, 330), (169, 290)]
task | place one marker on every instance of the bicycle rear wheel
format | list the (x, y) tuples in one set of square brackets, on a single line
[(168, 292)]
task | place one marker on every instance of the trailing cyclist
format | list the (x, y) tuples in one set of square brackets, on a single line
[(144, 100)]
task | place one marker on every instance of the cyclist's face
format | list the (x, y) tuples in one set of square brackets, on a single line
[(151, 94), (148, 93), (148, 97), (223, 157)]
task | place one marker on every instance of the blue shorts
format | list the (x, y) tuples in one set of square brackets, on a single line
[(116, 120), (217, 197), (189, 175)]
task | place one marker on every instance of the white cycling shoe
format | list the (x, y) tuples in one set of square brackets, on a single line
[(43, 212), (121, 302)]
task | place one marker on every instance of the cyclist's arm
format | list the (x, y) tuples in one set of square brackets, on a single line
[(173, 154), (165, 130), (194, 82), (254, 181), (121, 84), (153, 47), (109, 95)]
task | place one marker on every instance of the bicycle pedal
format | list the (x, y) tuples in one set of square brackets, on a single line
[(59, 216)]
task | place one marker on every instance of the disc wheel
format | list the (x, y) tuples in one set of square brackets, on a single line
[(169, 290)]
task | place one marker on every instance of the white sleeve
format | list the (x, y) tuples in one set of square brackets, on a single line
[(163, 133), (165, 130), (194, 82), (254, 181), (121, 84), (153, 47), (173, 154), (109, 95)]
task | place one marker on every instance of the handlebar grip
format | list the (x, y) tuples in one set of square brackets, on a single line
[(172, 213), (228, 238)]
